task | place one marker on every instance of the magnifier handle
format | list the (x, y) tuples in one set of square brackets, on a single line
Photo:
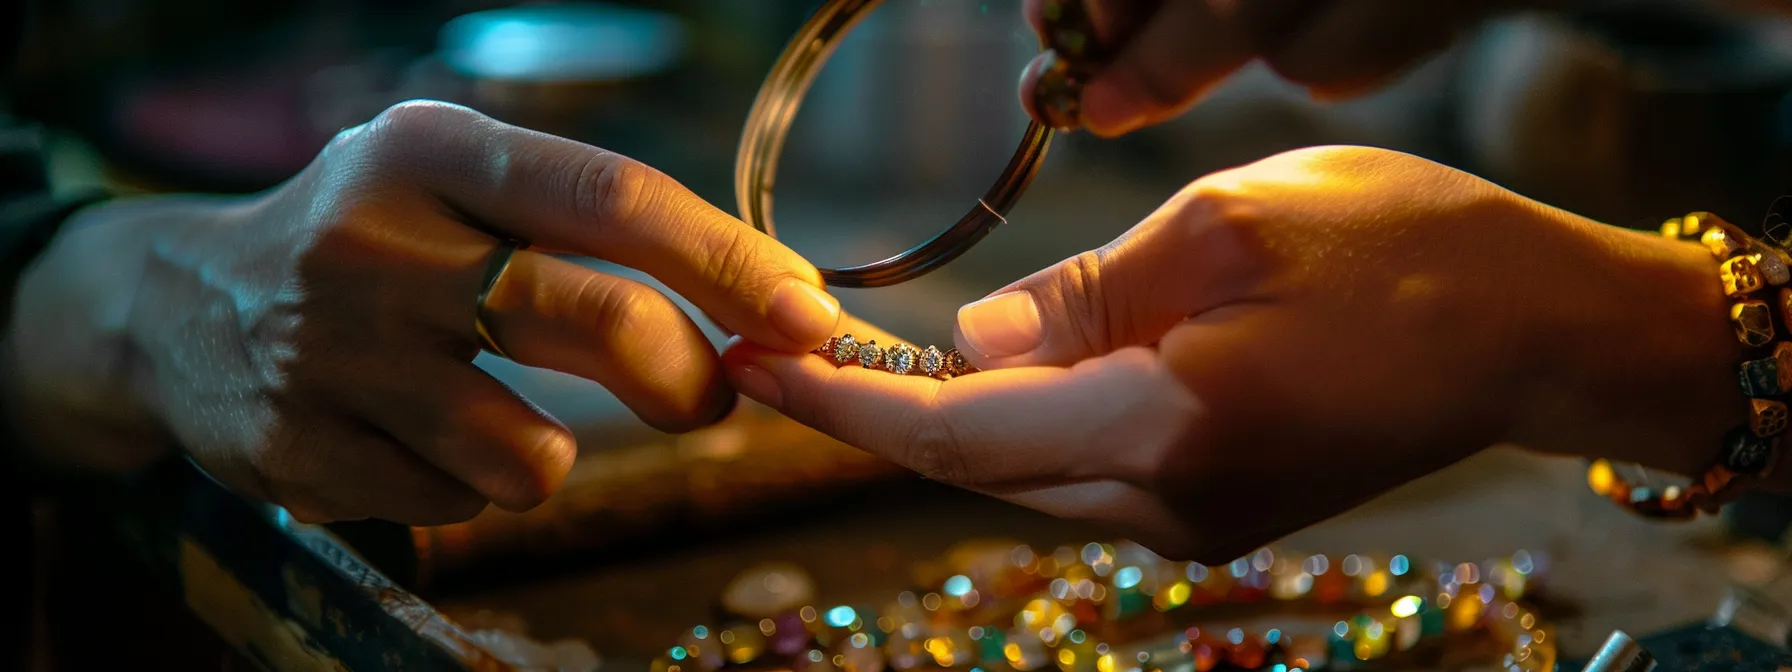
[(1080, 37)]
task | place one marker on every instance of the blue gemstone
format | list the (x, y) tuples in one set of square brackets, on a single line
[(1759, 378)]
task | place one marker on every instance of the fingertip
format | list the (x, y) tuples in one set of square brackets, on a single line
[(1113, 107), (548, 460), (804, 313)]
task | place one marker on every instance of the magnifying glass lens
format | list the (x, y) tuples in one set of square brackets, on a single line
[(911, 120)]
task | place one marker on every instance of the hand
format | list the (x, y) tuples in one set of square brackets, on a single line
[(1283, 341), (1168, 54), (313, 345)]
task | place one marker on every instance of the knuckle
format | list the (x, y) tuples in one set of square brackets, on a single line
[(615, 310), (417, 121), (729, 265), (1222, 214), (614, 189), (1079, 283), (933, 450)]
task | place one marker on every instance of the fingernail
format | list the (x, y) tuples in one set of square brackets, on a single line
[(759, 385), (804, 313), (1002, 326)]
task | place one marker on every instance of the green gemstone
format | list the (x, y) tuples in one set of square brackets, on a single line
[(989, 648), (1431, 620)]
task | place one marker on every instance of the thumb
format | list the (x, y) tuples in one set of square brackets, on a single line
[(1127, 293)]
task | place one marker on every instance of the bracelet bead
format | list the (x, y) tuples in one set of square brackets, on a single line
[(1745, 453), (1753, 321), (1721, 242), (1761, 378), (1775, 265), (1741, 276), (1746, 267), (1766, 417), (1697, 226)]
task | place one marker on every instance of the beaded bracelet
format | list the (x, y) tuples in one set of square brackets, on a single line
[(901, 359), (1747, 269), (1120, 608)]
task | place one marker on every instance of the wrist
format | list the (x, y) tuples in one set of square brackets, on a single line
[(79, 391), (1640, 357)]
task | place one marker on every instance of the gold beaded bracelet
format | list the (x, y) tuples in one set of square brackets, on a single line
[(1747, 268), (901, 359)]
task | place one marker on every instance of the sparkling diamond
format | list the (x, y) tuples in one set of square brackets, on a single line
[(900, 359), (871, 355), (932, 361), (846, 349), (827, 347)]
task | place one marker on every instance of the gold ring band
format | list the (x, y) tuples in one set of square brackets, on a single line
[(901, 359), (494, 270)]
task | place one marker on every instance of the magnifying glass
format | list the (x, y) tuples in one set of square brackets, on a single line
[(1067, 33)]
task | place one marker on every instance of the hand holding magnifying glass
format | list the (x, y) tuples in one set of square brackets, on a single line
[(1115, 66)]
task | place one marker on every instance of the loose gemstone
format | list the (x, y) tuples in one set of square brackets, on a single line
[(859, 655), (900, 359), (1742, 275), (789, 635), (742, 644), (1766, 417), (871, 355), (932, 362), (1760, 378), (846, 349), (1025, 651), (1745, 453), (1753, 322), (703, 651)]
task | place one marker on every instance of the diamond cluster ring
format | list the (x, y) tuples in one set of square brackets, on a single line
[(901, 359)]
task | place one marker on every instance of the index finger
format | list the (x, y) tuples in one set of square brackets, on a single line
[(989, 429), (567, 196)]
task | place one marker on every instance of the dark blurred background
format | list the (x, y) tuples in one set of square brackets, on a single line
[(1627, 112)]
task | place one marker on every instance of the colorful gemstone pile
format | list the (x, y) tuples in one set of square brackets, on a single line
[(996, 607)]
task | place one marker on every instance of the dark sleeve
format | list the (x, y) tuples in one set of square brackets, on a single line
[(29, 217)]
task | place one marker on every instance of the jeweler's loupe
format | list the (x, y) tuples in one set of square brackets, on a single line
[(908, 115)]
